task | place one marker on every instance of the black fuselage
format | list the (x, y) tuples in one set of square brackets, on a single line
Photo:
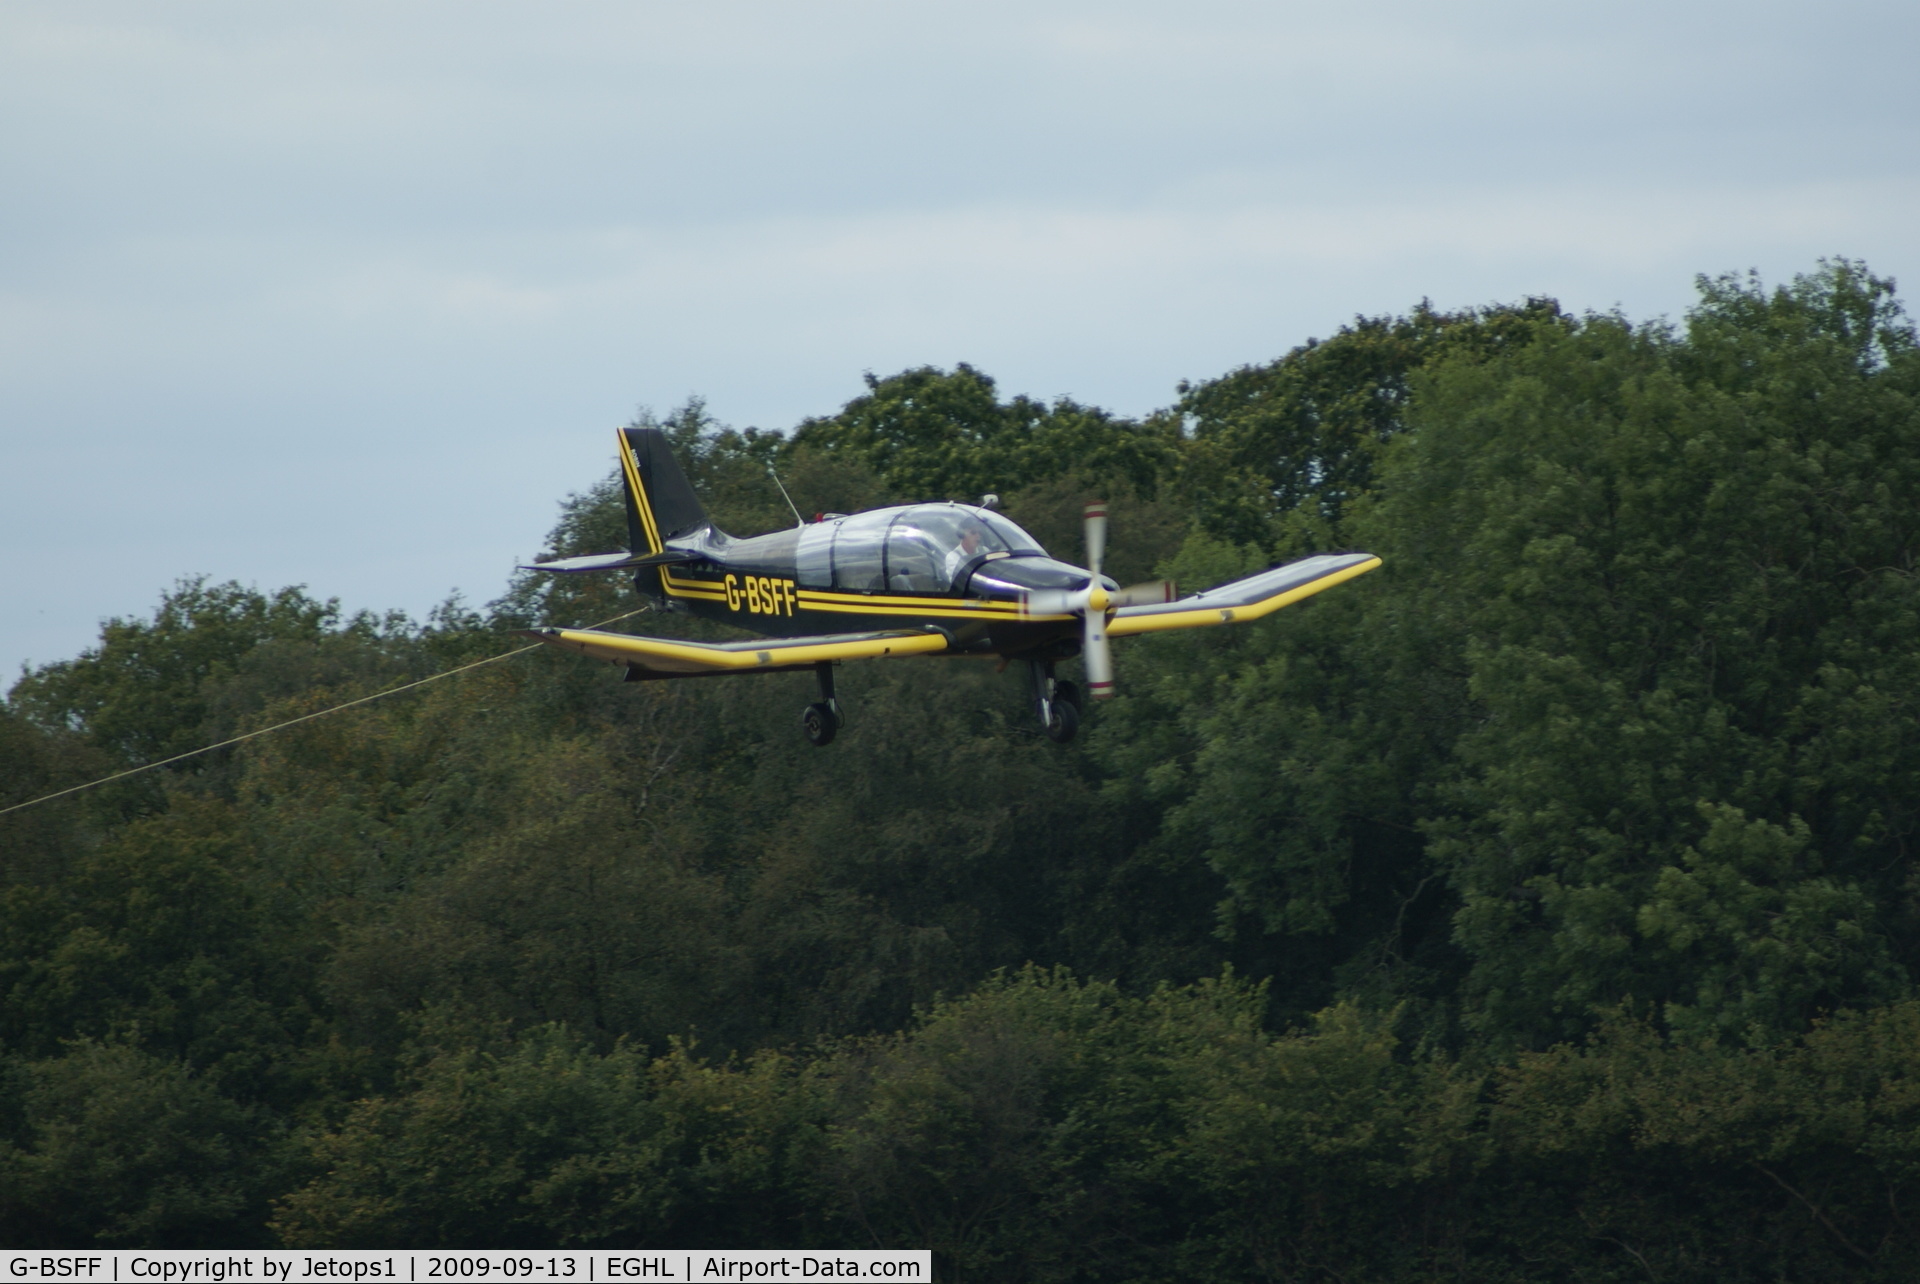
[(951, 567)]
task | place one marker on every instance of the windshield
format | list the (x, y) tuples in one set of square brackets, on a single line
[(919, 549), (1015, 539), (930, 545)]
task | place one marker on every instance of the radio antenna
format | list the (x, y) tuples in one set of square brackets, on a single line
[(797, 519)]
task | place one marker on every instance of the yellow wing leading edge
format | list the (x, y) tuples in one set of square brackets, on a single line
[(672, 658), (1245, 599)]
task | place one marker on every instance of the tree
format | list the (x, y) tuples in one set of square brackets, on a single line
[(158, 940), (936, 435), (111, 1147), (1282, 451), (1681, 568), (543, 1141), (143, 692)]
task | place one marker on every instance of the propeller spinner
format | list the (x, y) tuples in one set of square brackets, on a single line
[(1095, 603)]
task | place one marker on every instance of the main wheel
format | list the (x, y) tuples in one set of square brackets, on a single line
[(820, 723), (1063, 722), (1065, 692)]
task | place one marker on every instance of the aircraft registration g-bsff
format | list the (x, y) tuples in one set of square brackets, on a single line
[(935, 579)]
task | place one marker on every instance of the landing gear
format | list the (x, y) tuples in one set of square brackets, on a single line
[(1063, 721), (821, 721), (1058, 702)]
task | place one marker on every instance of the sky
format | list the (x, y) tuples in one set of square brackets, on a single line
[(351, 295)]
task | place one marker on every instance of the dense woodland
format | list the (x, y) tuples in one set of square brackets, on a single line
[(1542, 906)]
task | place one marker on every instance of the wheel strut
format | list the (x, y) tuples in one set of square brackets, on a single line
[(1059, 711), (822, 721)]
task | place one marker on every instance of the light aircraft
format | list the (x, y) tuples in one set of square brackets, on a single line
[(942, 579)]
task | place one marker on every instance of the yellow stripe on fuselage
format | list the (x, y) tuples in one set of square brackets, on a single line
[(969, 608), (882, 606), (974, 605), (692, 588)]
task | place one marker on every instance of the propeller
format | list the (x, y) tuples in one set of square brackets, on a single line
[(1094, 603)]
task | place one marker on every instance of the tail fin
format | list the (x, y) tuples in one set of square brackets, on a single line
[(661, 504)]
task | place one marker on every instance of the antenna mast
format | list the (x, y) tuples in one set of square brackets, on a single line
[(797, 519)]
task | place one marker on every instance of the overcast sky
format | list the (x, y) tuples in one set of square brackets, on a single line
[(350, 295)]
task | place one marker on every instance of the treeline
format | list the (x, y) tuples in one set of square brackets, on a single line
[(1540, 906)]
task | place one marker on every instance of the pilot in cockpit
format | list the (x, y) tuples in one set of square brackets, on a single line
[(965, 551)]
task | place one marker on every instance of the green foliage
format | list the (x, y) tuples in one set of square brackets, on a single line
[(154, 940), (36, 843), (1633, 579), (110, 1147), (1048, 1128), (1282, 451), (1685, 615), (938, 435), (1696, 1160), (957, 1137), (148, 690), (548, 1143)]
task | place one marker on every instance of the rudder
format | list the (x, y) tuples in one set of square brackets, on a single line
[(661, 504)]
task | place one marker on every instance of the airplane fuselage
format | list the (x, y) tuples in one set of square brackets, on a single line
[(951, 567)]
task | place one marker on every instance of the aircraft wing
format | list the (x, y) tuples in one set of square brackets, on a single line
[(1246, 599), (671, 658)]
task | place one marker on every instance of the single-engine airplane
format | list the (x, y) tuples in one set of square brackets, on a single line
[(920, 579)]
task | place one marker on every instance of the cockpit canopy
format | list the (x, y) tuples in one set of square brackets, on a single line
[(923, 548)]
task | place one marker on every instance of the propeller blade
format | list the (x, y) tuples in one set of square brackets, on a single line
[(1151, 593), (1053, 602), (1096, 535), (1096, 656)]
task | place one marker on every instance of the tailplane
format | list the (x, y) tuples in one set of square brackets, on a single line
[(661, 504)]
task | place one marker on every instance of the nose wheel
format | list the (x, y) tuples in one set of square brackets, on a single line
[(820, 722), (1058, 702)]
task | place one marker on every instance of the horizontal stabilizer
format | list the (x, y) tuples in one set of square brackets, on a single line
[(1246, 599), (672, 658), (613, 561)]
